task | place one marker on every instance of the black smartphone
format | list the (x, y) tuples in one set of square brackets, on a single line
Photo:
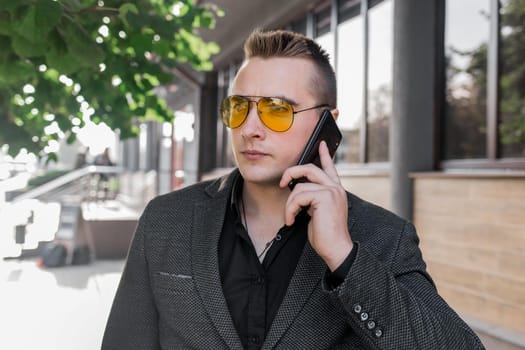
[(327, 130)]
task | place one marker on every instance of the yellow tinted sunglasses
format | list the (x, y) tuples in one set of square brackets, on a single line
[(275, 113)]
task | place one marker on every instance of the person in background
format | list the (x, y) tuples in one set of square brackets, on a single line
[(81, 159), (103, 178), (243, 262), (103, 158)]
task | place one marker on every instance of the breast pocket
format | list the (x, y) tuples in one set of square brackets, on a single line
[(177, 301), (172, 282)]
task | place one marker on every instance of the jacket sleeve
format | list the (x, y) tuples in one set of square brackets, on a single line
[(132, 322), (394, 304)]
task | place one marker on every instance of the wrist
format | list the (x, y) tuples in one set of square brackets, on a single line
[(339, 255)]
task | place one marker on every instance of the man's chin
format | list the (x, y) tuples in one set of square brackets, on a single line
[(261, 178)]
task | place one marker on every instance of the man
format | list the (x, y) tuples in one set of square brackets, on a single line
[(102, 183), (243, 262)]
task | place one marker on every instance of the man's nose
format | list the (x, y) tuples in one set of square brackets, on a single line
[(252, 125)]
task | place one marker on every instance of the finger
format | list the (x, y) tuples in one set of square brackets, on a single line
[(298, 201), (299, 171), (327, 162)]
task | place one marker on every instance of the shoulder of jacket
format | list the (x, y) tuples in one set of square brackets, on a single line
[(372, 215), (199, 191)]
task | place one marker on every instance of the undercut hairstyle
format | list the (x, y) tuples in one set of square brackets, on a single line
[(283, 43)]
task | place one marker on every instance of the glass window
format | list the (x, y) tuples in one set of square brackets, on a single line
[(323, 35), (225, 157), (322, 20), (348, 9), (327, 42), (466, 41), (350, 83), (512, 78), (380, 58), (299, 26)]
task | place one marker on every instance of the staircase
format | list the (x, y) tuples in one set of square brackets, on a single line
[(75, 192)]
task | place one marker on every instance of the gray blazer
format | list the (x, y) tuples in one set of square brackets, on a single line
[(170, 294)]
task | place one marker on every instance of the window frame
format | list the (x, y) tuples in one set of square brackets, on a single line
[(493, 160), (342, 11)]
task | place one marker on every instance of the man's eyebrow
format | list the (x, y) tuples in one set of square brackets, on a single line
[(282, 97), (287, 99)]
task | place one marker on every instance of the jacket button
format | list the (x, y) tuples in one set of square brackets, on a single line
[(371, 324), (357, 308), (364, 316), (378, 332)]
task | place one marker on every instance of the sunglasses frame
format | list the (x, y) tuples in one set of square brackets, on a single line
[(256, 102)]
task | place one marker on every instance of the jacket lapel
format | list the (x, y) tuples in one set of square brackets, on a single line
[(208, 221), (299, 290), (306, 278)]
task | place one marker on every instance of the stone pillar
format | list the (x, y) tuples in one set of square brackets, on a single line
[(414, 97), (207, 130)]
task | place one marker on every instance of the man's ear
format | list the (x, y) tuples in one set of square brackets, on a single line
[(335, 113)]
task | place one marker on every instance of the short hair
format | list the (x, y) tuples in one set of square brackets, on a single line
[(284, 43)]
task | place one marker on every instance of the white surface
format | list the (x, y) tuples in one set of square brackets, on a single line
[(58, 309)]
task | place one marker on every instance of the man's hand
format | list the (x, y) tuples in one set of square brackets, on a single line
[(326, 203)]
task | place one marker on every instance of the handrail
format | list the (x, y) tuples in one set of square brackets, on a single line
[(65, 179)]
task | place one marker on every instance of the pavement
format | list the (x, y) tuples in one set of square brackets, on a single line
[(67, 307), (56, 309)]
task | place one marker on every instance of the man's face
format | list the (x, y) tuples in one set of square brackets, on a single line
[(262, 155)]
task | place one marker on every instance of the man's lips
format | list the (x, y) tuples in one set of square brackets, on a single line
[(253, 154)]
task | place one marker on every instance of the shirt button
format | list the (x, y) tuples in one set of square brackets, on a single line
[(254, 339), (357, 308), (364, 316), (278, 237), (378, 332), (371, 324), (258, 280)]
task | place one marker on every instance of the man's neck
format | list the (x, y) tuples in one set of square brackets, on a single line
[(264, 199), (264, 213)]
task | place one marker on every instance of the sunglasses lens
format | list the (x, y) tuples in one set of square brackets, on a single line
[(234, 110), (275, 113)]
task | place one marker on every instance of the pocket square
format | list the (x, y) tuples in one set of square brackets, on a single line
[(174, 275)]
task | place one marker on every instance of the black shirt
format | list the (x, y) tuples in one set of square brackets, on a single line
[(254, 290)]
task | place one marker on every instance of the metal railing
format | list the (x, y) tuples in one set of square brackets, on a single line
[(67, 179)]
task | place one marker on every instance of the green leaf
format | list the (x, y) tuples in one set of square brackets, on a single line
[(81, 46), (123, 11), (162, 47), (25, 48), (205, 20), (56, 42), (51, 157), (5, 23), (72, 5), (141, 42), (61, 34), (13, 72), (38, 20), (6, 52), (71, 138), (213, 48), (12, 5), (62, 62), (165, 78)]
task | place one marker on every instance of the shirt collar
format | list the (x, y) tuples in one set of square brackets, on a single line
[(236, 195)]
